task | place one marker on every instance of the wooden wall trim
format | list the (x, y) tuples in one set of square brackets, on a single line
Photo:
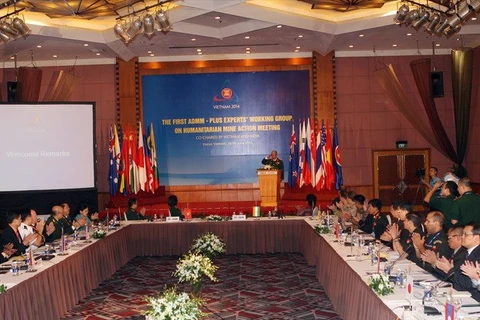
[(128, 92), (323, 82)]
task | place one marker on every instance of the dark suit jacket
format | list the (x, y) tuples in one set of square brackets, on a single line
[(9, 236), (462, 282), (458, 258)]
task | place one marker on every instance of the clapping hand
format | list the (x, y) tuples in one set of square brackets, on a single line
[(8, 249), (94, 216), (429, 256), (142, 211), (30, 238), (443, 264), (471, 269), (50, 228), (418, 240)]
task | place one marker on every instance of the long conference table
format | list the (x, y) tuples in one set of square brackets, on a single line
[(64, 280)]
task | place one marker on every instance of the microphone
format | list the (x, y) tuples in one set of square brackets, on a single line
[(403, 255)]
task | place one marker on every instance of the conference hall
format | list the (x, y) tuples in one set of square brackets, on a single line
[(240, 159)]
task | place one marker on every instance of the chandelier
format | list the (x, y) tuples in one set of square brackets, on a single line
[(439, 17)]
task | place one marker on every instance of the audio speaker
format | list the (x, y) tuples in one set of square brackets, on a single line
[(437, 83), (11, 90)]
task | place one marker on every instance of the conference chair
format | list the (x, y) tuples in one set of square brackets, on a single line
[(125, 216)]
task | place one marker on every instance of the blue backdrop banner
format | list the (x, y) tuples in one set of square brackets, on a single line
[(216, 128)]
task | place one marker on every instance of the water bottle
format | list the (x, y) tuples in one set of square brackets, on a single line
[(361, 241), (401, 278), (75, 237), (354, 238), (155, 217), (269, 214), (15, 268)]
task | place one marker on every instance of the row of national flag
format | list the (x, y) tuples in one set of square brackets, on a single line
[(315, 157), (132, 160)]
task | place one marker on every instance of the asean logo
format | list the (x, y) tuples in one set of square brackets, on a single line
[(227, 93)]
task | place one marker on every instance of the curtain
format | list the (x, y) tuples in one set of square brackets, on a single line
[(388, 80), (462, 70), (421, 73), (61, 86)]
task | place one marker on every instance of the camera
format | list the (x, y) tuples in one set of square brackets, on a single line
[(420, 173)]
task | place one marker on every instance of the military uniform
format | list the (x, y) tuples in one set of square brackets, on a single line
[(445, 206), (59, 225), (466, 209), (276, 164), (437, 243)]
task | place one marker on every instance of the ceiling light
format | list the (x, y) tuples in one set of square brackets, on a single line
[(85, 44), (121, 31), (98, 53), (21, 26), (54, 56), (279, 26), (163, 21), (149, 51), (394, 45), (409, 34), (437, 44), (148, 25), (217, 18), (199, 53), (296, 50), (193, 39), (7, 28), (361, 35), (39, 46), (350, 46), (300, 35), (4, 37), (12, 58), (135, 28), (198, 50), (445, 18), (474, 18), (152, 55), (247, 51), (297, 47), (247, 37)]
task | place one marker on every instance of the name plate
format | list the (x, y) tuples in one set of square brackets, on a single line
[(239, 217), (173, 219)]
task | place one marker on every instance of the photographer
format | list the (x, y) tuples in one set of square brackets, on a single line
[(432, 173)]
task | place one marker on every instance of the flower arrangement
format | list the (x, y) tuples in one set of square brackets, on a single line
[(99, 234), (208, 244), (171, 305), (214, 217), (379, 283), (321, 229), (193, 266), (3, 288)]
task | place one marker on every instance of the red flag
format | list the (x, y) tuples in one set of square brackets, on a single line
[(313, 152), (307, 159), (330, 173)]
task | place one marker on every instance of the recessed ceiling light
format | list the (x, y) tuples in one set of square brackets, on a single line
[(300, 35), (247, 49), (39, 46), (199, 50), (12, 58), (98, 53), (149, 51), (458, 39), (54, 56), (85, 44), (361, 35), (279, 26), (152, 55), (297, 47), (296, 50), (409, 34), (437, 45), (247, 37), (474, 18), (394, 45), (350, 46), (193, 39), (217, 18), (199, 53)]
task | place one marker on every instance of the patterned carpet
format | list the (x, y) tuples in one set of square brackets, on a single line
[(272, 286)]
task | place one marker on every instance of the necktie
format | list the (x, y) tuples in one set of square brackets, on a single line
[(18, 236)]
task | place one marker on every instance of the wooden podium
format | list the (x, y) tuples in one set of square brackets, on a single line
[(269, 181)]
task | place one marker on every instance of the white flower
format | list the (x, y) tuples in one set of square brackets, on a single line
[(172, 306), (192, 267)]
